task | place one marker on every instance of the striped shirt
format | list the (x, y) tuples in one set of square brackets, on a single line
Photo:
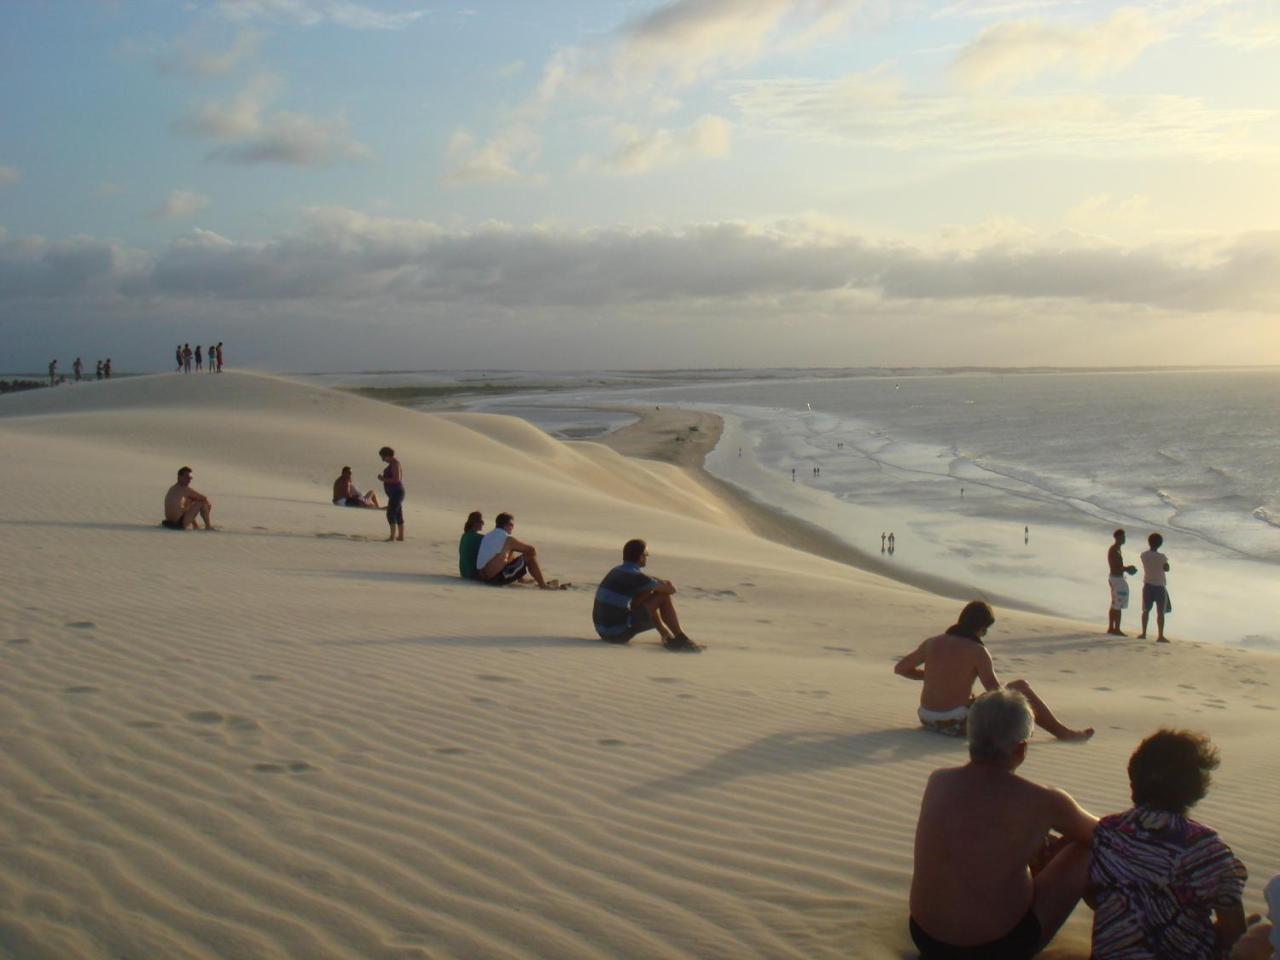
[(612, 611), (1158, 876)]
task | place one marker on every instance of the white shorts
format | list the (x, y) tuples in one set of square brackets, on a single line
[(1119, 593)]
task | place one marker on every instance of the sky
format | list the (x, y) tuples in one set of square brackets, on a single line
[(329, 185)]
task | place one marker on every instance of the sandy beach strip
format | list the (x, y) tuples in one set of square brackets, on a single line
[(289, 739)]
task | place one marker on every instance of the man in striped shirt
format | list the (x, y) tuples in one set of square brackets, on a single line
[(629, 601)]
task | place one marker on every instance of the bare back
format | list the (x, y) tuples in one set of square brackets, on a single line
[(980, 826), (175, 503), (951, 665)]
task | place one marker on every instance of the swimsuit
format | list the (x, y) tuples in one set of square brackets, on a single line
[(1020, 943), (512, 572), (953, 722)]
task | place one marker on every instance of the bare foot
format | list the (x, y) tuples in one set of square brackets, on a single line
[(1161, 640), (1143, 635), (550, 585), (1076, 736)]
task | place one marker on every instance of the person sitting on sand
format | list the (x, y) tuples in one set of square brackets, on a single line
[(629, 601), (469, 545), (1155, 875), (346, 494), (989, 878), (950, 662), (183, 503), (1262, 940), (502, 559)]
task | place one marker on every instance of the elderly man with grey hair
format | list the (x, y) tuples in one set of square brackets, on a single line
[(990, 880)]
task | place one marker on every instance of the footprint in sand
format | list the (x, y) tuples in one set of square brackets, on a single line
[(80, 690), (297, 766), (1153, 696), (82, 625), (1103, 689), (266, 677), (243, 724), (1065, 670), (690, 696), (18, 641), (1263, 706), (1214, 706), (495, 678), (665, 679), (450, 751), (610, 742), (205, 716), (840, 649), (483, 701), (746, 583), (764, 621)]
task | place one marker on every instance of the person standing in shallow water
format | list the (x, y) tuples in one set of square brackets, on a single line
[(393, 485)]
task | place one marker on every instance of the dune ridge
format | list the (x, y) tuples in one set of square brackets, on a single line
[(288, 739)]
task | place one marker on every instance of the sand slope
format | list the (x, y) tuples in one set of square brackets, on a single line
[(288, 739)]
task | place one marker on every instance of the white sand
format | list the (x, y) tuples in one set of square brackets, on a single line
[(288, 739)]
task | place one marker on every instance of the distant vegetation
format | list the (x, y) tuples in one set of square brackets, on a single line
[(409, 395)]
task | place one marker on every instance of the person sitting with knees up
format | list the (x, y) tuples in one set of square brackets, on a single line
[(183, 504), (502, 559), (629, 601), (469, 545), (347, 494)]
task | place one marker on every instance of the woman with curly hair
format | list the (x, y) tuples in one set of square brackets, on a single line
[(1163, 886)]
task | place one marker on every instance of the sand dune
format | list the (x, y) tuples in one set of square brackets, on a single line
[(289, 739)]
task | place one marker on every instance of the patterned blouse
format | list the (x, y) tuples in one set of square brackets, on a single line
[(1157, 876)]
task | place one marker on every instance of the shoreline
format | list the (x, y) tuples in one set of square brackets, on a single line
[(659, 434)]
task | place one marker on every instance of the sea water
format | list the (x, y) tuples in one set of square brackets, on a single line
[(1009, 485)]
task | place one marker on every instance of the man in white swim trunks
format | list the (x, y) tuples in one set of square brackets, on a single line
[(347, 494), (949, 663), (1119, 588)]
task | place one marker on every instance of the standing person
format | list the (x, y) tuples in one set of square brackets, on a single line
[(106, 369), (629, 601), (97, 373), (1155, 588), (211, 356), (187, 354), (502, 559), (988, 880), (1156, 876), (183, 503), (1115, 579), (199, 358), (53, 372), (948, 665), (219, 356), (393, 485), (469, 545), (77, 367), (177, 352)]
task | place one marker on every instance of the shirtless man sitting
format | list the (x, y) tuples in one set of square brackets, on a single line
[(345, 493), (502, 559), (183, 503), (989, 881), (950, 662)]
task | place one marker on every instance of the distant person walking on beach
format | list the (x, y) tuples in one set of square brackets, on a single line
[(219, 356), (186, 358), (988, 881), (1155, 588), (177, 352), (76, 368), (346, 494), (1119, 588), (183, 504), (949, 663), (469, 545), (199, 358), (882, 539), (393, 485), (97, 373), (106, 369), (629, 601), (53, 372), (211, 356), (502, 559)]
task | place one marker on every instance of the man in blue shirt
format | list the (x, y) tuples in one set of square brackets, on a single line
[(629, 601)]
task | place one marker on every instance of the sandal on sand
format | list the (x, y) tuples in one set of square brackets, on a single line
[(682, 644)]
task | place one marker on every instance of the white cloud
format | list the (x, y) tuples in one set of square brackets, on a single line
[(1016, 51), (193, 55), (501, 158), (1249, 27), (310, 13), (870, 109), (9, 176), (250, 135), (179, 205), (641, 151)]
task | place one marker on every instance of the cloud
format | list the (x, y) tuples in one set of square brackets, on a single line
[(501, 158), (871, 110), (643, 151), (1013, 52), (345, 256), (250, 135), (192, 56), (1249, 27), (310, 13), (179, 205), (9, 176)]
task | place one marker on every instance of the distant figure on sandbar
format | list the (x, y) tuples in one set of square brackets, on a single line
[(949, 663), (76, 367), (106, 369), (1155, 586), (97, 373), (393, 486), (177, 352), (183, 504), (1158, 879), (200, 358), (53, 372), (990, 879), (502, 559), (347, 494), (219, 356), (1026, 534), (882, 539), (893, 543), (213, 353), (469, 545), (1116, 581), (629, 601)]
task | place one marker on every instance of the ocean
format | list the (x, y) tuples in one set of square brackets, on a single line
[(1006, 484)]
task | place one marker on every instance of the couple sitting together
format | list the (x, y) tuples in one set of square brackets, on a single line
[(497, 557)]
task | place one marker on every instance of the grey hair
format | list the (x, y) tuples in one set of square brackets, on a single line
[(998, 722)]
